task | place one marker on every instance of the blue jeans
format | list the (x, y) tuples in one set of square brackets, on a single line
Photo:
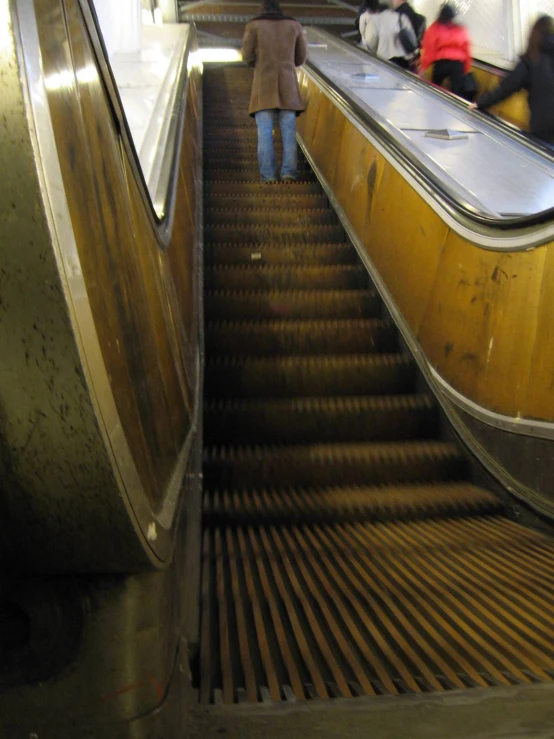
[(266, 151)]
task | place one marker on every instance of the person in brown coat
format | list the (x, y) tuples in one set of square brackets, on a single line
[(275, 45)]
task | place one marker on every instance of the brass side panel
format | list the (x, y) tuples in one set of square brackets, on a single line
[(539, 402), (484, 338), (329, 128), (358, 178), (405, 240), (482, 317)]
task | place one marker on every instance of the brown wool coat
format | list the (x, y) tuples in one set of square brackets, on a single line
[(274, 48)]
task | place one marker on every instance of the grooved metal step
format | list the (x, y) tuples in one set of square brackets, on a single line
[(239, 377), (250, 187), (311, 420), (251, 175), (337, 253), (276, 197), (284, 277), (332, 464), (327, 611), (232, 304), (273, 234), (263, 217), (248, 163), (271, 506), (343, 336)]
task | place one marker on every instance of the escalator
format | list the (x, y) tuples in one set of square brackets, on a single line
[(347, 550)]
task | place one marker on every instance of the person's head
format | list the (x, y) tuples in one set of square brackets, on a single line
[(271, 6), (541, 37), (397, 3), (447, 13), (374, 6)]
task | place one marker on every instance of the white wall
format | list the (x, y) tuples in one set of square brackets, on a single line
[(498, 26), (121, 25)]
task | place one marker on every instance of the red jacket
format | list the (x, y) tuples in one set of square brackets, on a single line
[(445, 41)]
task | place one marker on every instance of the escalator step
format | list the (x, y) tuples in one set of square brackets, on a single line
[(332, 464), (249, 187), (337, 253), (277, 197), (223, 160), (283, 217), (233, 304), (372, 608), (249, 175), (343, 336), (284, 277), (301, 505), (273, 234), (240, 377), (312, 420)]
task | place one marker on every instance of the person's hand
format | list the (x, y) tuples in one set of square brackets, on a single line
[(472, 106)]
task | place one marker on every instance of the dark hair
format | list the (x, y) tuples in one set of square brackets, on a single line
[(374, 6), (543, 27), (446, 14), (271, 6)]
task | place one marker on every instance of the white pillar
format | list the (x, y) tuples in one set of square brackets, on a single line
[(128, 20), (107, 25), (170, 10), (121, 25)]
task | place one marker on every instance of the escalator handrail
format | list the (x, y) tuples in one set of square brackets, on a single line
[(462, 212)]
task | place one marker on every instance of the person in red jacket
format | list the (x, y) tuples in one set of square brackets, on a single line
[(446, 45)]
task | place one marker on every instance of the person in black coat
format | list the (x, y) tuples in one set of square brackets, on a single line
[(418, 21), (535, 73)]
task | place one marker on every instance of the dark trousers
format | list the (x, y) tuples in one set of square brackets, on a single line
[(448, 68)]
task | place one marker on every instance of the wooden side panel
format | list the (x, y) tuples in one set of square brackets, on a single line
[(404, 239), (482, 317), (131, 289), (306, 123), (328, 134), (539, 402), (479, 328), (358, 177)]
